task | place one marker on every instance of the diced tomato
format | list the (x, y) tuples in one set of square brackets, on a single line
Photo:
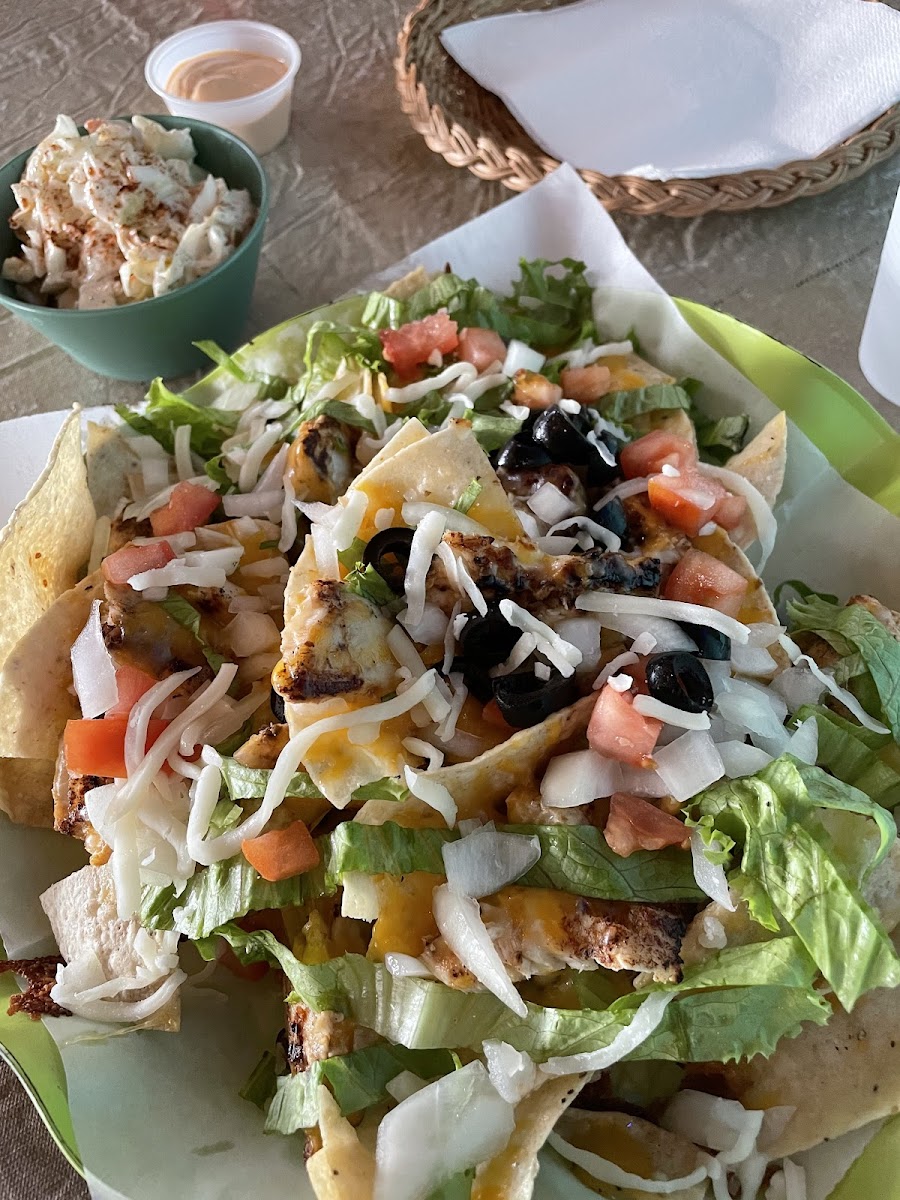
[(534, 390), (188, 506), (687, 501), (585, 384), (98, 747), (132, 560), (636, 824), (649, 453), (252, 972), (411, 344), (730, 511), (131, 683), (701, 579), (619, 731), (282, 853), (481, 347)]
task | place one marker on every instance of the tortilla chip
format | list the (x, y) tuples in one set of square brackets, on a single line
[(635, 1145), (46, 542), (478, 785), (511, 1174), (343, 1169), (437, 469), (35, 696), (407, 285), (110, 461), (763, 460), (25, 787), (82, 913), (630, 371)]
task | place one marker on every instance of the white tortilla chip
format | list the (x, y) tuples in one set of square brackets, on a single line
[(82, 913), (110, 460), (763, 460), (25, 790), (344, 1169)]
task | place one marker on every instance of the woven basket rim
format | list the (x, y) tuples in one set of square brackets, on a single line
[(518, 168)]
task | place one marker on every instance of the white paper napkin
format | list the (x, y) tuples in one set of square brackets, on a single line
[(688, 88)]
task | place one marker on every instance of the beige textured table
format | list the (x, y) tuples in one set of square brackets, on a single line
[(353, 190)]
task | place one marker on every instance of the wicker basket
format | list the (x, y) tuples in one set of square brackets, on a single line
[(472, 128)]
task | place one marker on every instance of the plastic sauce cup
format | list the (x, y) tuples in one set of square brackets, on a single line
[(262, 119), (879, 347)]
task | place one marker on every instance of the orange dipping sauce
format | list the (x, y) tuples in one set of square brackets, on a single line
[(225, 75)]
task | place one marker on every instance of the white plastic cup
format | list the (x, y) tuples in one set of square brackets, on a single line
[(879, 346), (262, 120)]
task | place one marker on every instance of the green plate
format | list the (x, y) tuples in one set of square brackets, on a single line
[(859, 444)]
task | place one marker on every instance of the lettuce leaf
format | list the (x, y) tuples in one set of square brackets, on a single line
[(357, 1081), (166, 410), (223, 359), (493, 429), (574, 858), (718, 439), (853, 630), (260, 1086), (549, 308), (328, 344), (749, 998), (365, 582), (249, 783), (791, 872), (854, 754), (185, 614), (622, 407)]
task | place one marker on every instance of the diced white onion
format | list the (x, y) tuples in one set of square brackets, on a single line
[(764, 521), (267, 568), (432, 793), (425, 542), (689, 764), (549, 504), (512, 1072), (449, 1126), (599, 533), (458, 917), (712, 932), (404, 1085), (359, 896), (798, 686), (562, 654), (434, 757), (723, 1125), (644, 643), (383, 519), (609, 1173), (740, 759), (327, 563), (621, 491), (578, 778), (520, 357), (485, 861), (675, 610), (750, 708), (582, 632), (403, 966), (252, 633), (846, 698), (667, 636), (649, 706), (709, 877), (794, 1180), (752, 660), (804, 741), (464, 372), (253, 504), (93, 670), (430, 630), (644, 1022), (542, 671), (638, 781), (620, 683)]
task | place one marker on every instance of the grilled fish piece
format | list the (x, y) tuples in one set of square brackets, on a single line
[(335, 645), (542, 583), (315, 1036), (537, 932), (320, 461)]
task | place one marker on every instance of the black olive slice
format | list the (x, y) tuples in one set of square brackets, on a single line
[(487, 641), (561, 438), (710, 642), (612, 516), (522, 453), (680, 680), (476, 679), (388, 553), (524, 700), (276, 703)]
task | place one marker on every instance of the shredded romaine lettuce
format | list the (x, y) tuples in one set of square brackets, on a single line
[(856, 755), (623, 407), (165, 411)]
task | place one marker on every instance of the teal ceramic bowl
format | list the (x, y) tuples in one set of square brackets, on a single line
[(154, 337)]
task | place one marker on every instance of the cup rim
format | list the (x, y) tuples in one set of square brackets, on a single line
[(17, 305), (214, 106)]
